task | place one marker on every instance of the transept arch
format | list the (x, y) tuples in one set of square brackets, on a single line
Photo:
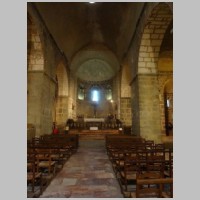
[(146, 86)]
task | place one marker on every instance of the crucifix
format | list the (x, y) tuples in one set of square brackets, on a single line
[(95, 109)]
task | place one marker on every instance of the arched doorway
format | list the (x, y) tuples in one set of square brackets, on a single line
[(168, 102)]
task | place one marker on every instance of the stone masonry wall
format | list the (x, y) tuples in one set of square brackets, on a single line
[(34, 104), (126, 115), (152, 37), (43, 57), (48, 98), (135, 107), (62, 110)]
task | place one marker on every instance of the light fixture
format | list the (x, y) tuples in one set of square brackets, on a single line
[(91, 2)]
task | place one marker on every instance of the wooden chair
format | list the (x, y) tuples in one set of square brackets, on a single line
[(34, 178), (45, 162), (169, 163), (156, 189), (128, 173), (146, 187), (156, 161)]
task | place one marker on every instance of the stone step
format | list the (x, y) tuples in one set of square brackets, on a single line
[(91, 136)]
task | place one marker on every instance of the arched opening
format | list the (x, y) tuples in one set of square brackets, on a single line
[(168, 103), (152, 62), (61, 100)]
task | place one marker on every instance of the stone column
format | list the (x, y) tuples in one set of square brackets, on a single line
[(146, 115), (40, 102)]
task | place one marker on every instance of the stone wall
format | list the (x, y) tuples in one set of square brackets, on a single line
[(135, 107), (43, 57), (30, 131), (34, 104), (125, 110), (47, 101), (85, 108), (35, 66), (61, 110), (125, 81)]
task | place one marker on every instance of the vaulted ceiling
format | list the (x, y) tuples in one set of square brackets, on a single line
[(93, 37)]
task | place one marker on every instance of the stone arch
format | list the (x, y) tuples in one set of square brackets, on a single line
[(125, 95), (152, 37), (63, 82), (62, 98), (168, 86), (145, 85)]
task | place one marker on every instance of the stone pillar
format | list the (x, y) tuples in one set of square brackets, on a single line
[(125, 110), (34, 104), (146, 115), (41, 93), (48, 98)]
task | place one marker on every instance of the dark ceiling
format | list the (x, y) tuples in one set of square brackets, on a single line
[(74, 25), (98, 33)]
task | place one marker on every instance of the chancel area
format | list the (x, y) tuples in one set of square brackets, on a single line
[(100, 99)]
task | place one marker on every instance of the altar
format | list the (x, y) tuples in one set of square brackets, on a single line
[(94, 124), (94, 120)]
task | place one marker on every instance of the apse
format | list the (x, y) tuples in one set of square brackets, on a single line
[(95, 63)]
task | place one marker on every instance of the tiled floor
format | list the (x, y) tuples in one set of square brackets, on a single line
[(88, 173)]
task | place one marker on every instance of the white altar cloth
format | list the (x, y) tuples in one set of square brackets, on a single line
[(94, 119)]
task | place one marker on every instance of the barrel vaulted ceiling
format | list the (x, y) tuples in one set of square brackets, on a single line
[(93, 37)]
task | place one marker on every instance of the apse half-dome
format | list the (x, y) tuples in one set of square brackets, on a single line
[(95, 63)]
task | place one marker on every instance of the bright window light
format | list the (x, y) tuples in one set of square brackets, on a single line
[(95, 95), (168, 103)]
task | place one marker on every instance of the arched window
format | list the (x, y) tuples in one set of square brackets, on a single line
[(95, 95), (108, 94), (81, 92)]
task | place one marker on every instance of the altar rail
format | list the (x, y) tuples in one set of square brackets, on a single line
[(100, 125)]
